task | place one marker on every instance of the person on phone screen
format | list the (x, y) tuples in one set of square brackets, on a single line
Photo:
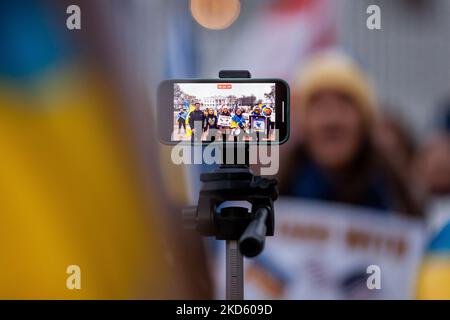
[(268, 113), (225, 112), (224, 120), (181, 120), (211, 120), (196, 120), (238, 123), (258, 122), (211, 124)]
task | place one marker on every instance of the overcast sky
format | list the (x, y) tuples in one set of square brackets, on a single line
[(202, 90)]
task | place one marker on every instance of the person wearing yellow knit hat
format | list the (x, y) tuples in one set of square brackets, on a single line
[(335, 72), (334, 158)]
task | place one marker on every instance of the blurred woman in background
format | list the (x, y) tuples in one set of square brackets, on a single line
[(334, 157)]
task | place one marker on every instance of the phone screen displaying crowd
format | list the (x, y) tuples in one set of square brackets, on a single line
[(217, 111)]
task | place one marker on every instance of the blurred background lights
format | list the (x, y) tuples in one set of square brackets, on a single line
[(215, 14)]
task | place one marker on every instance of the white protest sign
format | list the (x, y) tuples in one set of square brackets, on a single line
[(224, 121)]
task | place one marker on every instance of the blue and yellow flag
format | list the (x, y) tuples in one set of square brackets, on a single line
[(191, 108), (69, 192)]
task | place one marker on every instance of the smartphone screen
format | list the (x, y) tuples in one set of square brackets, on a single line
[(216, 110)]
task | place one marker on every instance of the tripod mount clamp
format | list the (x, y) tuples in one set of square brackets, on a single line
[(228, 185)]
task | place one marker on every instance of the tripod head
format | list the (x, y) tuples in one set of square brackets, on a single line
[(230, 186)]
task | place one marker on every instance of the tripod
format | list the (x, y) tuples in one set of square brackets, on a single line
[(243, 230), (236, 206)]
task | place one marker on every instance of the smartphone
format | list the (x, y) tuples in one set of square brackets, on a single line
[(226, 110)]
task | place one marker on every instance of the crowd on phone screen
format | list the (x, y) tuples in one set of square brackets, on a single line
[(232, 121)]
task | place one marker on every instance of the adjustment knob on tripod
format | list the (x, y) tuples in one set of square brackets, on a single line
[(252, 240)]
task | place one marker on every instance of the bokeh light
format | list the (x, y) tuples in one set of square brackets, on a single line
[(215, 14)]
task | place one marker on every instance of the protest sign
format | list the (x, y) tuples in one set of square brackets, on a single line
[(258, 123), (224, 121)]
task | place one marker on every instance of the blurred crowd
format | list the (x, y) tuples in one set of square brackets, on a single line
[(347, 150), (84, 181)]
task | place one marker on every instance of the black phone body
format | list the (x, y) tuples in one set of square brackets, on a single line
[(255, 110)]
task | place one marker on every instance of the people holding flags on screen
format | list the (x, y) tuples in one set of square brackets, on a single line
[(238, 123), (235, 120)]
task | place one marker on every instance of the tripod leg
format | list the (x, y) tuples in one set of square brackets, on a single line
[(235, 271)]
